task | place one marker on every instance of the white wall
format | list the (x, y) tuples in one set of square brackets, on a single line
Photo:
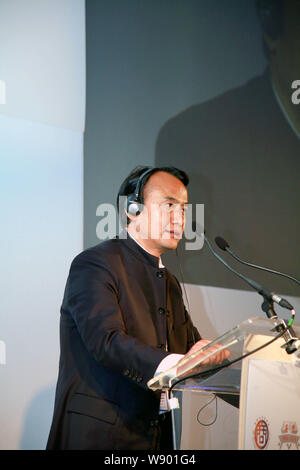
[(42, 50)]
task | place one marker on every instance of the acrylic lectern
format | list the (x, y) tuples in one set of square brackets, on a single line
[(251, 403)]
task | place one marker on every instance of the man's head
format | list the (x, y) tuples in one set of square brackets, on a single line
[(162, 197)]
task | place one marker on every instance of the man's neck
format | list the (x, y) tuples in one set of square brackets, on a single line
[(140, 243)]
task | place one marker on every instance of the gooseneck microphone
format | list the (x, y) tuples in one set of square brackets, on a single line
[(267, 295), (223, 245)]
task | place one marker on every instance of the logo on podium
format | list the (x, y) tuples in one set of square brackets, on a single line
[(288, 436), (261, 433)]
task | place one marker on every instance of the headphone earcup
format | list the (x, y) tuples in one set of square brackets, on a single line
[(133, 206)]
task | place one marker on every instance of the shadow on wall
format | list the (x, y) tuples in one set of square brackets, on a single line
[(38, 420), (241, 150)]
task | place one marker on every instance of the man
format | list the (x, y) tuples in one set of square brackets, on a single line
[(122, 317)]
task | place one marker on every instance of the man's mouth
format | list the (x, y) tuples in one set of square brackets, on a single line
[(174, 234)]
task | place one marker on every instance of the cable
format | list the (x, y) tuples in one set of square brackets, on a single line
[(203, 407), (223, 245), (181, 275), (186, 297), (291, 320)]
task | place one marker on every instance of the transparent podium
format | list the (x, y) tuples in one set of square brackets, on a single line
[(248, 403)]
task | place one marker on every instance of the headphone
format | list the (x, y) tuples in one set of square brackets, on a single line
[(134, 200)]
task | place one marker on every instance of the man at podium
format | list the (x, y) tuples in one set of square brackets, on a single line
[(122, 320)]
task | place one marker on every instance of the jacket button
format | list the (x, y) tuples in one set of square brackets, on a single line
[(160, 274), (154, 422), (161, 310)]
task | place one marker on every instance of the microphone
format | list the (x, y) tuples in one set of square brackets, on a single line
[(223, 245), (269, 296)]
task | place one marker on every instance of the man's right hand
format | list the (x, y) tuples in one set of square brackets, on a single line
[(216, 358)]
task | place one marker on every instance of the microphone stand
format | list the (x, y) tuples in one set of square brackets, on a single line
[(290, 338), (267, 305), (223, 245)]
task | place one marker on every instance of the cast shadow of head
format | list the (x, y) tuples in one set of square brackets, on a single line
[(241, 150), (37, 420)]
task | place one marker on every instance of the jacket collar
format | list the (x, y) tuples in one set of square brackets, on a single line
[(130, 242)]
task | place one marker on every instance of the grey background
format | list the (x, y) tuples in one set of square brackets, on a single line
[(146, 62)]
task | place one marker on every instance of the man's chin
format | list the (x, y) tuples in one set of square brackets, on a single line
[(170, 243)]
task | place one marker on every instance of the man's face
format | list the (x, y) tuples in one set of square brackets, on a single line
[(161, 223)]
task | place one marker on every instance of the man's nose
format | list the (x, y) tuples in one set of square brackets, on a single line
[(177, 216)]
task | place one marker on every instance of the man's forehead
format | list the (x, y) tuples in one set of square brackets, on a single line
[(166, 186), (177, 200)]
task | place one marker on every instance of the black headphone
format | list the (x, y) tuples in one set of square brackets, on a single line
[(134, 200)]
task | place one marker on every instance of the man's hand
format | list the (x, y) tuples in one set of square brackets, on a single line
[(215, 358)]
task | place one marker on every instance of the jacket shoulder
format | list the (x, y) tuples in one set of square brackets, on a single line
[(105, 252)]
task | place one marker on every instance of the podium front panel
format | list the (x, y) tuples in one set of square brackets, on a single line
[(204, 421)]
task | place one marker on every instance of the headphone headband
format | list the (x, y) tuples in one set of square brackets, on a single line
[(134, 205), (140, 180)]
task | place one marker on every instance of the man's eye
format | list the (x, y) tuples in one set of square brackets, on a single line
[(168, 205), (172, 206)]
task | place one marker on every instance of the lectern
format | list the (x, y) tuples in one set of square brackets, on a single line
[(249, 403)]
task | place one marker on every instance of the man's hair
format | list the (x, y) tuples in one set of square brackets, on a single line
[(130, 183)]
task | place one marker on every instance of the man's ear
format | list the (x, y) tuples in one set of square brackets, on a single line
[(130, 216)]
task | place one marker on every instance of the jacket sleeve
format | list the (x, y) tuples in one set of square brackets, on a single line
[(91, 298)]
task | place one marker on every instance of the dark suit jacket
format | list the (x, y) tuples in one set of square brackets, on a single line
[(118, 311)]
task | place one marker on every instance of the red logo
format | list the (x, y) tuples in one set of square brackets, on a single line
[(289, 437), (261, 434)]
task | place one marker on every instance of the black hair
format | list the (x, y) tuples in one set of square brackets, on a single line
[(130, 183)]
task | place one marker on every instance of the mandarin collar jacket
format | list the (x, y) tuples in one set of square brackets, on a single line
[(119, 312)]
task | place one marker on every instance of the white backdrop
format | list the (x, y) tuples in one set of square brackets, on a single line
[(42, 50)]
